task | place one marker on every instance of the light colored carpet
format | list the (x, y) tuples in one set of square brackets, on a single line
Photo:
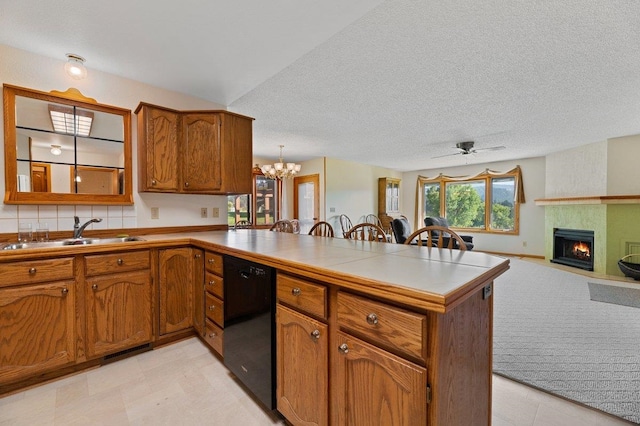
[(550, 335)]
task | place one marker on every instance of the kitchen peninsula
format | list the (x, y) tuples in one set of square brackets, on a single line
[(364, 330)]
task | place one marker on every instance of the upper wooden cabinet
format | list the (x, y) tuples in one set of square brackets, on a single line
[(200, 152)]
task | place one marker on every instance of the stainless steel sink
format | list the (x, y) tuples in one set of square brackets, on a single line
[(70, 242)]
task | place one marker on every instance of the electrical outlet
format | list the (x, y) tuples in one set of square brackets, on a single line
[(524, 244), (332, 209), (155, 212), (215, 212), (203, 212)]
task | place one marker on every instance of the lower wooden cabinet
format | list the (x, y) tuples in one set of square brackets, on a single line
[(118, 312), (214, 300), (176, 289), (302, 368), (37, 329), (197, 256), (374, 387)]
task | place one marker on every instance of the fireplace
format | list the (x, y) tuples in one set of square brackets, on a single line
[(573, 247)]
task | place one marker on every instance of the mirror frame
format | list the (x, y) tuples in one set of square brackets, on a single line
[(71, 97)]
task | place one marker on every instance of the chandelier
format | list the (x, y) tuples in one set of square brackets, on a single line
[(280, 170)]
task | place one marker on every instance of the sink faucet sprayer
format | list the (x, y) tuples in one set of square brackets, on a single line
[(77, 229)]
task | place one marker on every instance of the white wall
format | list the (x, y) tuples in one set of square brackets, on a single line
[(530, 241), (623, 170), (352, 189), (577, 172), (37, 72)]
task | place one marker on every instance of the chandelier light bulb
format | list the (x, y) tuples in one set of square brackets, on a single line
[(280, 170)]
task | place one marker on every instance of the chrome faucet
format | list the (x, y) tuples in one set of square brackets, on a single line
[(77, 229)]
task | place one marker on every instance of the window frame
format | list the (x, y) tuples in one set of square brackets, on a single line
[(252, 201), (488, 177)]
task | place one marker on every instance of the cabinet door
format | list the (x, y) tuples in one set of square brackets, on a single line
[(237, 153), (198, 290), (118, 312), (201, 166), (375, 387), (176, 289), (302, 366), (161, 140), (37, 329)]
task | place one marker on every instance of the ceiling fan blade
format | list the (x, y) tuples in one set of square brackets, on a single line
[(448, 155), (491, 148)]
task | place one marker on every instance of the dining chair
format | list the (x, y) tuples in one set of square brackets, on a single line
[(345, 224), (366, 232), (444, 239), (375, 220), (295, 223), (283, 225), (243, 224), (322, 229)]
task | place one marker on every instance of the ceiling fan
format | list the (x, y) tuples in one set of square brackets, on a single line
[(466, 148)]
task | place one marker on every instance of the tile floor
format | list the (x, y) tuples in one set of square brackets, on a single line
[(184, 384)]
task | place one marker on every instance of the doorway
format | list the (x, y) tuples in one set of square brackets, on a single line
[(306, 201)]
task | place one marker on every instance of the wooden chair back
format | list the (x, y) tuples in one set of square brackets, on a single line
[(444, 239), (243, 224), (366, 232), (345, 224), (283, 225), (322, 229), (295, 223)]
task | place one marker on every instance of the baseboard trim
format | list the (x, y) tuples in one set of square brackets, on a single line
[(521, 255)]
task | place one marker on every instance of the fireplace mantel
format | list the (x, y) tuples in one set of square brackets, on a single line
[(594, 200)]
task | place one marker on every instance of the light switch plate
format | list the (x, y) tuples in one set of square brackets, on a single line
[(155, 212), (215, 212), (203, 212)]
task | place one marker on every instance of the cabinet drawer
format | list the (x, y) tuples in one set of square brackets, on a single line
[(214, 336), (34, 271), (114, 263), (387, 325), (214, 284), (215, 309), (303, 295), (213, 262)]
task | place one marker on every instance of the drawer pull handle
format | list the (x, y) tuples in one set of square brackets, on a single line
[(212, 283), (372, 319), (94, 287), (154, 182), (32, 271), (296, 291), (212, 335), (211, 261), (120, 261), (65, 291), (343, 348), (197, 256), (212, 307), (315, 334)]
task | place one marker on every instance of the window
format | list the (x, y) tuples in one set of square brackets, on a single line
[(488, 202), (261, 207)]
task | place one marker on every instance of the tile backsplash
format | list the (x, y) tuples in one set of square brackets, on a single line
[(60, 218)]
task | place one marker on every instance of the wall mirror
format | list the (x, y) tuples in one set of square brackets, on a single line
[(64, 148)]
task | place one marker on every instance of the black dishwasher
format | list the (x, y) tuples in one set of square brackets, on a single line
[(249, 326)]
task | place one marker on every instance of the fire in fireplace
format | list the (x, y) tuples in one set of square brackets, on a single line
[(573, 247)]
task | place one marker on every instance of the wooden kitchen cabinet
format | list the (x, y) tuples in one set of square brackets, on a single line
[(199, 152), (37, 329), (158, 149), (118, 295), (302, 368), (214, 301), (176, 281), (372, 386)]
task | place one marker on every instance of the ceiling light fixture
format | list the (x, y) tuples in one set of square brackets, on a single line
[(75, 66), (56, 149), (71, 121), (280, 170)]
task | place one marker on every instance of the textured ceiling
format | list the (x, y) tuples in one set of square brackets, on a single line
[(388, 83)]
